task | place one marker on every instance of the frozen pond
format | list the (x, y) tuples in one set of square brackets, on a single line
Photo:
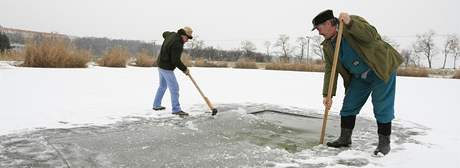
[(233, 138)]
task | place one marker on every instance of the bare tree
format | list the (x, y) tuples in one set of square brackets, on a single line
[(449, 47), (456, 53), (302, 41), (267, 45), (194, 46), (406, 54), (248, 47), (415, 56), (317, 49), (283, 43), (426, 46)]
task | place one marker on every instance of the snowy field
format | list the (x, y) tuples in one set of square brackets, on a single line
[(38, 103)]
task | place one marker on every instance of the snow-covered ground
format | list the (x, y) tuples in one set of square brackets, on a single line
[(40, 98)]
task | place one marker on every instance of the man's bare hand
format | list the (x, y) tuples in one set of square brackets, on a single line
[(327, 104), (345, 17)]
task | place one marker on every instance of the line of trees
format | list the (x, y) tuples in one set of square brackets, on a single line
[(302, 50), (4, 42), (197, 49), (421, 53), (425, 47), (97, 46)]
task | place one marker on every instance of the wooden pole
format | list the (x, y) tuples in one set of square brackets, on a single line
[(201, 93), (331, 80)]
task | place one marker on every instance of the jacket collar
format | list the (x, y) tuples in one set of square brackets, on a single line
[(180, 38)]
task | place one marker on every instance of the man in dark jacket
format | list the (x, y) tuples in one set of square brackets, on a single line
[(169, 59), (368, 66)]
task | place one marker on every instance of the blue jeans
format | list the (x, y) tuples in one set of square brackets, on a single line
[(168, 80), (383, 96)]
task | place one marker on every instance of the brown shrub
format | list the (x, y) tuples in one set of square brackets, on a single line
[(143, 59), (317, 61), (246, 64), (295, 67), (54, 52), (116, 57), (221, 64), (200, 62), (412, 71), (186, 59), (441, 72), (457, 74), (12, 55)]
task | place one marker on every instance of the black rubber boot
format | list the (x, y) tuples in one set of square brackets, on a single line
[(347, 124), (384, 145), (343, 141), (384, 131)]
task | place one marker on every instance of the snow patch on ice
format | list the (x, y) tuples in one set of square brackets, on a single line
[(7, 64), (190, 125)]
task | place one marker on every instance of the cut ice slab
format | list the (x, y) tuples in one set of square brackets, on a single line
[(233, 138), (305, 127)]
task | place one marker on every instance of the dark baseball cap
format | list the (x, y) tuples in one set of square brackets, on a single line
[(322, 17)]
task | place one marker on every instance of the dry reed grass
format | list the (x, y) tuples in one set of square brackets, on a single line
[(143, 59), (295, 67), (54, 52), (457, 74), (246, 64), (413, 71), (12, 55), (115, 57), (200, 62)]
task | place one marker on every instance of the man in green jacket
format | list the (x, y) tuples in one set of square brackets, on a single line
[(368, 66), (169, 59)]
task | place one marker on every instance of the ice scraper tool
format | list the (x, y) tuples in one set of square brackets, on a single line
[(213, 110)]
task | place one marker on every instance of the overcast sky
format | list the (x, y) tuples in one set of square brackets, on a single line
[(224, 23)]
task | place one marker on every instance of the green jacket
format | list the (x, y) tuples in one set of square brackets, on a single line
[(380, 56), (171, 51)]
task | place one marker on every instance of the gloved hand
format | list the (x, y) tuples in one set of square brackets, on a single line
[(187, 72)]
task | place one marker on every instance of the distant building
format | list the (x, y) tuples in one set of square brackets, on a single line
[(17, 46)]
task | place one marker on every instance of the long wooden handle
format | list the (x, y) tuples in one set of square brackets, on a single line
[(331, 80), (201, 92)]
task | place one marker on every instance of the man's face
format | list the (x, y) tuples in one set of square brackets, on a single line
[(184, 38), (326, 29)]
